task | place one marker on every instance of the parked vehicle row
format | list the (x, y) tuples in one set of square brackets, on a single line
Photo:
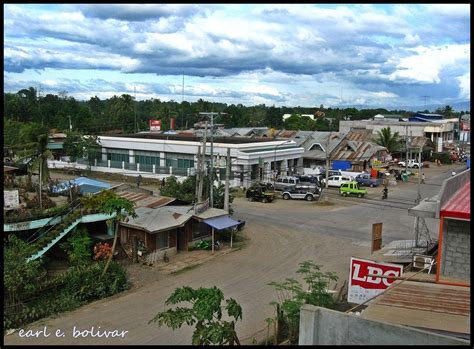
[(367, 180)]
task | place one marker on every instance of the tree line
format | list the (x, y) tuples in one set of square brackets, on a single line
[(125, 114)]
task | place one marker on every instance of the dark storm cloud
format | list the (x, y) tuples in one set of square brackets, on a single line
[(140, 12)]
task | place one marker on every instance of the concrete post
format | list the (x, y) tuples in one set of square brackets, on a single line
[(154, 168), (95, 162), (138, 167), (108, 163), (123, 165), (171, 169)]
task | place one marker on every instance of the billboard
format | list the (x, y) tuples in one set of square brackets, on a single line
[(362, 286), (155, 125)]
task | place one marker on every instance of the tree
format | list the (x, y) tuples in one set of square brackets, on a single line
[(388, 140), (78, 146), (108, 202), (294, 295), (205, 313)]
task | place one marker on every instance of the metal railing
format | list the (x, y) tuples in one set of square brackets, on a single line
[(46, 229)]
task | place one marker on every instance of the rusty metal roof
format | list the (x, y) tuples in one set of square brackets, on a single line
[(357, 151), (146, 200), (423, 305), (359, 135)]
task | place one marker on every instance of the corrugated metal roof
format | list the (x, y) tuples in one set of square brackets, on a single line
[(423, 305), (163, 218), (459, 206), (146, 200), (357, 151)]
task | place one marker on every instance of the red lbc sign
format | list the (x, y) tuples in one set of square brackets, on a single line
[(361, 269)]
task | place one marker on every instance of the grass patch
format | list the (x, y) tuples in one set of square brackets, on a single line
[(185, 269)]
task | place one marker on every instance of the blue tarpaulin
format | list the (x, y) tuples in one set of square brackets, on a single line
[(221, 222), (86, 185)]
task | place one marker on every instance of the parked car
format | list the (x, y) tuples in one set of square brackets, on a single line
[(259, 192), (352, 188), (367, 180), (411, 163), (336, 181), (309, 193), (285, 182)]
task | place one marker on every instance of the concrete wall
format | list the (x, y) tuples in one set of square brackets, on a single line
[(320, 326), (456, 255)]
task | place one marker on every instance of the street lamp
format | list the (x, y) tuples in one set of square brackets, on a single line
[(274, 159)]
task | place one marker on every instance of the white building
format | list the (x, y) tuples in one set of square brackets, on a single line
[(163, 154)]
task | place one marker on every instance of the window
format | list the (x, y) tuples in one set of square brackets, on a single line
[(200, 230), (162, 240)]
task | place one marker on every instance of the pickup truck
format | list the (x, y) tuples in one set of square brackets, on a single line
[(365, 179), (352, 188), (411, 163)]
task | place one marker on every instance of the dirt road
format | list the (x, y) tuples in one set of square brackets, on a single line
[(272, 254)]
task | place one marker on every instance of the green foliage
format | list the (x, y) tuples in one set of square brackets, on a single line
[(78, 248), (185, 191), (292, 295), (444, 157), (205, 314), (79, 285), (30, 215), (20, 277), (388, 140), (108, 202)]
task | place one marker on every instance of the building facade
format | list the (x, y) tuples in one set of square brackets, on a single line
[(251, 158)]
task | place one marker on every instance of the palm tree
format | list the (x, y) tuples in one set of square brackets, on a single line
[(43, 154), (388, 140)]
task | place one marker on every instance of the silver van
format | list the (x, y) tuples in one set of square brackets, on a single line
[(285, 182)]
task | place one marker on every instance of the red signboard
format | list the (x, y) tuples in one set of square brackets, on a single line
[(365, 279), (155, 125)]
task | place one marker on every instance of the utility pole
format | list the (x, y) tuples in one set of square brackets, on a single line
[(406, 146), (135, 105), (203, 161), (227, 174), (182, 105), (326, 197), (198, 176), (211, 182)]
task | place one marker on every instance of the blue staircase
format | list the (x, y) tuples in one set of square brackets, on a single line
[(41, 252)]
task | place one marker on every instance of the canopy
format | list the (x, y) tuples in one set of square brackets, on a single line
[(222, 222)]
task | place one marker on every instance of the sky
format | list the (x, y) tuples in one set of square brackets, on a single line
[(290, 55)]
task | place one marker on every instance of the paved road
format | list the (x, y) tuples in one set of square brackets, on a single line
[(282, 234)]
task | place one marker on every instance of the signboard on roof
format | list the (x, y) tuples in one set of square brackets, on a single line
[(364, 280)]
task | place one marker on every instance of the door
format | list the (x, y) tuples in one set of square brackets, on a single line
[(181, 239)]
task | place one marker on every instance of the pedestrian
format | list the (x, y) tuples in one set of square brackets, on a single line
[(163, 182), (423, 178), (139, 178)]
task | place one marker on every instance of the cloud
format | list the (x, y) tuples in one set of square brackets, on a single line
[(141, 12)]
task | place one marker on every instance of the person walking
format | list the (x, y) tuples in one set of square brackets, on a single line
[(139, 178), (423, 178)]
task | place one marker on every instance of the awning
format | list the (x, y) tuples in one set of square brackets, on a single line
[(222, 222)]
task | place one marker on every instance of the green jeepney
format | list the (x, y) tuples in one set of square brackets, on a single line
[(352, 188)]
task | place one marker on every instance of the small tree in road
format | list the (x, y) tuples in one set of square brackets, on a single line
[(108, 202), (205, 313)]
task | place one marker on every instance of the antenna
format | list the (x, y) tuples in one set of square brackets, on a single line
[(182, 105), (425, 99)]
